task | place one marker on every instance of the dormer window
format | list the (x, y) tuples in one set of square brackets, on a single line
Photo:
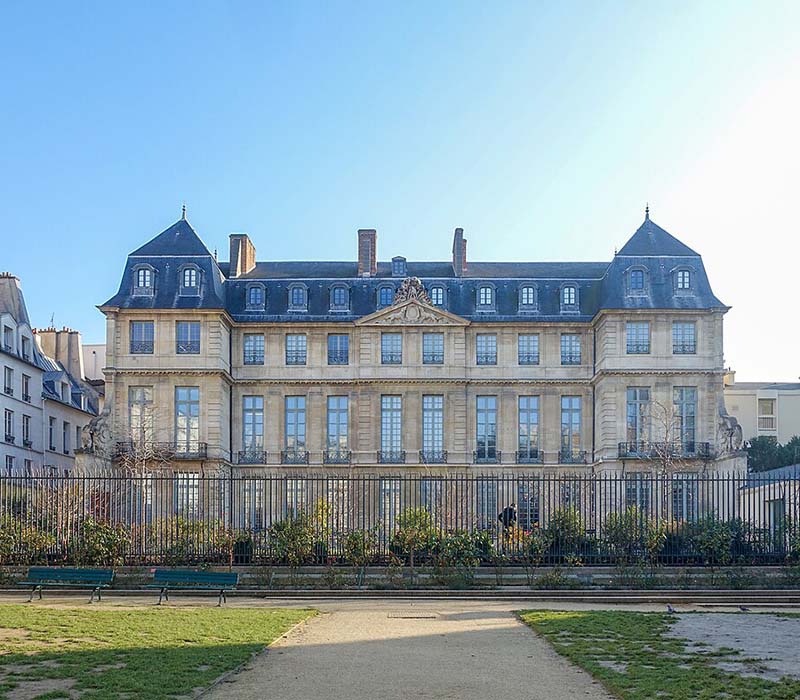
[(528, 298), (298, 297), (340, 298), (255, 296), (436, 293), (385, 296), (398, 266), (143, 281), (190, 281), (637, 280), (485, 298), (683, 280), (569, 298)]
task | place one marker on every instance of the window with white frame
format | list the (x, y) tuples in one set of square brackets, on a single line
[(8, 423), (486, 429), (637, 337), (298, 297), (385, 296), (255, 297), (433, 429), (528, 349), (391, 348), (527, 298), (187, 419), (636, 280), (253, 349), (190, 281), (296, 349), (295, 427), (142, 336), (486, 349), (390, 491), (637, 418), (337, 431), (570, 428), (486, 511), (485, 297), (187, 337), (569, 296), (253, 426), (570, 349), (391, 428), (8, 381), (187, 494), (433, 348), (683, 280), (684, 338), (140, 414), (143, 281), (338, 349), (684, 401), (528, 435), (340, 298), (766, 414), (436, 293)]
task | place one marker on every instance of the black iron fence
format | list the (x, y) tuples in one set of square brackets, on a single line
[(191, 518)]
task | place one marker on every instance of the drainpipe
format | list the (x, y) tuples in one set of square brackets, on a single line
[(594, 372)]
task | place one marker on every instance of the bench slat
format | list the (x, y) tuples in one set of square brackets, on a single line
[(51, 575), (182, 578)]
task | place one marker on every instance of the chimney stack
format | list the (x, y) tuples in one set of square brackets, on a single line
[(367, 252), (459, 253), (243, 255)]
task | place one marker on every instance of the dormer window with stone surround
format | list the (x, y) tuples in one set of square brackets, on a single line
[(569, 298), (637, 281), (528, 298), (298, 297), (255, 297), (143, 280), (190, 281), (485, 298), (385, 296), (436, 294), (340, 298), (399, 266), (682, 280)]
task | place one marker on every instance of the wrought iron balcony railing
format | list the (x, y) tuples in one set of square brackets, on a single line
[(487, 456), (295, 358), (572, 457), (433, 358), (294, 456), (253, 358), (486, 358), (433, 456), (26, 398), (337, 456), (570, 358), (27, 443), (684, 348), (252, 457), (10, 438), (187, 347), (530, 456), (8, 390), (161, 450), (664, 450), (141, 347), (391, 456), (638, 348), (528, 358), (391, 358), (338, 358)]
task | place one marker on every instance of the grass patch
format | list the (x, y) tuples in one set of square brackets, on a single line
[(119, 654), (631, 655)]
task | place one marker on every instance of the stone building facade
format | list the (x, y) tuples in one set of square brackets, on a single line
[(434, 367)]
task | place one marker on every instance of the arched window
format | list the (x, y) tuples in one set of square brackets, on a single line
[(190, 281), (683, 280), (436, 293), (485, 297), (398, 266), (527, 297), (298, 297), (385, 296), (637, 280), (143, 279), (340, 298), (190, 277), (255, 296), (569, 297)]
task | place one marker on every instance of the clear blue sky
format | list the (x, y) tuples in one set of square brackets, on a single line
[(542, 129)]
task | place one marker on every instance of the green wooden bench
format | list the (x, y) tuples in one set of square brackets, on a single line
[(40, 577), (185, 580)]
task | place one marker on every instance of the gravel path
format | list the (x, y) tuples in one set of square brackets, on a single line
[(396, 650)]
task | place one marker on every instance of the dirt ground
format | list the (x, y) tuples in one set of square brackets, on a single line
[(767, 644)]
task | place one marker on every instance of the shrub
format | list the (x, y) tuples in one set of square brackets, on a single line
[(359, 548), (24, 543), (415, 535), (99, 544), (632, 536), (534, 546), (567, 533), (292, 540)]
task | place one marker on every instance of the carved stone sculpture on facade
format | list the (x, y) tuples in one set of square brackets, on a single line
[(412, 288)]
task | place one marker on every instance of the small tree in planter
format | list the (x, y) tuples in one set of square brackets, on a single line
[(457, 556), (293, 542), (415, 535), (359, 550), (713, 540), (567, 533), (534, 546)]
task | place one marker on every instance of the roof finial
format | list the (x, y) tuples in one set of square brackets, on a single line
[(183, 211), (647, 211)]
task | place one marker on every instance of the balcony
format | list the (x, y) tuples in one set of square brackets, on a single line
[(295, 358), (337, 456), (528, 358), (391, 456), (664, 450), (27, 443), (252, 457), (638, 348), (187, 347), (572, 457), (766, 423), (9, 390), (433, 358), (487, 455), (26, 398), (161, 450), (684, 348), (294, 456), (10, 438), (254, 358), (141, 347), (391, 358), (7, 348), (433, 456), (570, 358), (484, 358), (530, 456)]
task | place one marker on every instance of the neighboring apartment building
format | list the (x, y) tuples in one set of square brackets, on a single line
[(401, 366), (45, 403), (769, 409)]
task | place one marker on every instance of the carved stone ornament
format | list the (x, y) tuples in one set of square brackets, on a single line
[(412, 288), (729, 432), (412, 315)]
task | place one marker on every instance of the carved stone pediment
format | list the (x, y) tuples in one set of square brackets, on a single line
[(412, 313)]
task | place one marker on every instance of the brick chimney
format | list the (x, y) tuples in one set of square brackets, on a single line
[(367, 252), (243, 254), (459, 253)]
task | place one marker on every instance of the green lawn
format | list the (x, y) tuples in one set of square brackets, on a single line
[(153, 653), (629, 653)]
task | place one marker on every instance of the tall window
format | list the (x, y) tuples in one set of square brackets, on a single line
[(528, 442), (385, 296), (636, 283), (338, 349), (295, 424), (486, 429), (398, 266), (433, 348), (51, 433), (253, 424), (637, 491), (140, 414), (187, 337), (637, 337), (569, 295), (433, 429), (26, 348), (487, 507), (684, 497), (570, 349), (391, 429), (486, 349), (8, 381), (684, 339), (430, 492), (527, 298), (683, 280), (187, 494), (485, 297), (340, 298), (142, 336), (253, 349), (8, 423), (143, 281), (528, 497), (528, 349), (296, 495), (337, 429), (437, 295), (391, 348), (26, 431), (66, 436), (187, 419), (296, 349), (766, 414), (189, 280), (637, 418), (298, 298), (26, 388), (389, 503), (8, 338), (255, 296), (570, 428), (684, 399)]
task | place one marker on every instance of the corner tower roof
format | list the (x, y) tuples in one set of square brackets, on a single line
[(178, 239), (651, 239)]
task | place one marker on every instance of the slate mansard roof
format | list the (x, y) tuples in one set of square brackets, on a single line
[(600, 285)]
